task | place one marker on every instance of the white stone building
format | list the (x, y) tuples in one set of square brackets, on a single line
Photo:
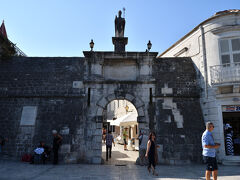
[(214, 46), (117, 108)]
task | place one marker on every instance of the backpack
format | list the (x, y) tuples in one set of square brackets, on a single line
[(27, 158)]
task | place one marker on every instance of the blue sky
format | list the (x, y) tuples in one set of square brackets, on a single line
[(65, 27)]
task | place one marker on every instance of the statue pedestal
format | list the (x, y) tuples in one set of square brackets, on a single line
[(119, 43)]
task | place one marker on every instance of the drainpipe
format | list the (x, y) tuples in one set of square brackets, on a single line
[(204, 61)]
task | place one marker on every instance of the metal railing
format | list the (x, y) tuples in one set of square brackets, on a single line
[(227, 73)]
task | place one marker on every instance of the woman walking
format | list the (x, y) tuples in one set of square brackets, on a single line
[(151, 153)]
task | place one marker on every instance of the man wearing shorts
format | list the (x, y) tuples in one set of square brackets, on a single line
[(209, 152), (125, 138)]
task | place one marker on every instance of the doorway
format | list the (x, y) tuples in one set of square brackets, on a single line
[(231, 121), (120, 119)]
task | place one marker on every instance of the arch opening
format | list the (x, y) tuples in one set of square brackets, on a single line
[(120, 119)]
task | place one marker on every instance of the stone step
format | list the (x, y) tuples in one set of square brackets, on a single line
[(6, 157)]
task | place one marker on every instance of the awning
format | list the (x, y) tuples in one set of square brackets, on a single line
[(128, 119)]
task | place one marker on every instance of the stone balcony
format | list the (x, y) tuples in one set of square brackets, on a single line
[(226, 74)]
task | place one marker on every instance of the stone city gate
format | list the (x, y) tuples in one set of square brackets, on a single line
[(118, 75), (39, 94)]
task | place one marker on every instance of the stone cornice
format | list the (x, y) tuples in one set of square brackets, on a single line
[(119, 55), (223, 29)]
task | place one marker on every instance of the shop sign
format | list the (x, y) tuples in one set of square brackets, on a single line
[(231, 108)]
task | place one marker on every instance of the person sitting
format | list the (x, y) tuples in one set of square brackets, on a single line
[(46, 153), (41, 153)]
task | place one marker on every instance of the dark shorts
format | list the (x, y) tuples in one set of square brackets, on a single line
[(125, 141), (211, 163)]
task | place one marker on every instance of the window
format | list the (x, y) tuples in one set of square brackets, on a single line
[(230, 50)]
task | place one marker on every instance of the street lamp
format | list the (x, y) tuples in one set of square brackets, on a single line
[(91, 44), (149, 45)]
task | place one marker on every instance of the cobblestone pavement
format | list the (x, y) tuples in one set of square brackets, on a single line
[(13, 170)]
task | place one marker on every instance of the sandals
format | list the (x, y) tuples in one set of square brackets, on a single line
[(154, 173), (149, 170)]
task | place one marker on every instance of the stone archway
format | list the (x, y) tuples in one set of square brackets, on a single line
[(136, 101)]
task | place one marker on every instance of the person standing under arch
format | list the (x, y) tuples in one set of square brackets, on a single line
[(109, 141), (125, 138)]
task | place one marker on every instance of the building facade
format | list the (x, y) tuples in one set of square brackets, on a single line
[(119, 108), (71, 95), (214, 47)]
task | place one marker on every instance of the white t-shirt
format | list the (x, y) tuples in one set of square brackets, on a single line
[(39, 150)]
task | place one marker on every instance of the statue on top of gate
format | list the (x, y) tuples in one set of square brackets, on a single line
[(119, 25)]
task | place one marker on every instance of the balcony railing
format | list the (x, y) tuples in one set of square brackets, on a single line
[(224, 74)]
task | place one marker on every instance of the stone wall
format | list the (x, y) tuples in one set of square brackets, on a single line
[(179, 123), (51, 86), (70, 95)]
